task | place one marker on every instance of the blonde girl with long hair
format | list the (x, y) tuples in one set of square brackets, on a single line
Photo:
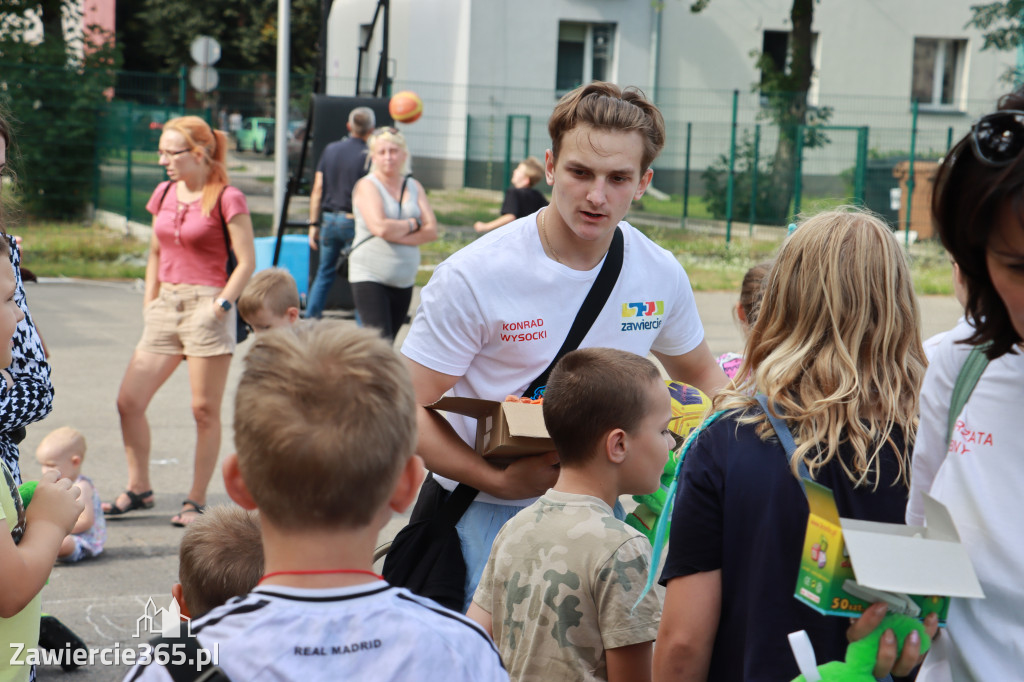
[(188, 305), (836, 350)]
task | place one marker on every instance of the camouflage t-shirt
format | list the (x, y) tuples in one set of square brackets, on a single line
[(560, 584)]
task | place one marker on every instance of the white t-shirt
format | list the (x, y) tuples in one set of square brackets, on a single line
[(980, 478), (378, 260), (366, 632), (497, 311)]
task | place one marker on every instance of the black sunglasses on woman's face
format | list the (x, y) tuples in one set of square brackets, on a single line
[(998, 138)]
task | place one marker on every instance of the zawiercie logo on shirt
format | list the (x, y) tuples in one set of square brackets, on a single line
[(523, 330), (642, 315)]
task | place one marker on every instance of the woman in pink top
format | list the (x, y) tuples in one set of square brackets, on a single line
[(189, 304)]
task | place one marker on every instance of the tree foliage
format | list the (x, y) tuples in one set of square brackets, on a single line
[(54, 90), (784, 92), (246, 31), (1002, 24)]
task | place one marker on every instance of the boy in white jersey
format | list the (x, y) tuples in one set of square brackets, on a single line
[(325, 424), (494, 314)]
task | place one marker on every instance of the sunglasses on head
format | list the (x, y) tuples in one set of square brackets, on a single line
[(387, 130), (998, 139)]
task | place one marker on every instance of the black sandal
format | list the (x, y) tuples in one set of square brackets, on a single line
[(189, 507), (136, 501)]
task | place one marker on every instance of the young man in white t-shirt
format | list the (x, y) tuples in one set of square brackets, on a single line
[(494, 314)]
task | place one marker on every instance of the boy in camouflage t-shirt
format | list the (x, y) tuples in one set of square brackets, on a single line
[(558, 591)]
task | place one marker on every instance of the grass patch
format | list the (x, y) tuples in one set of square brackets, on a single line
[(931, 269), (711, 263), (673, 206), (464, 207), (89, 252)]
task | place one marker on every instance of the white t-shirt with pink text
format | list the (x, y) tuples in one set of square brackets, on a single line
[(497, 311), (979, 476)]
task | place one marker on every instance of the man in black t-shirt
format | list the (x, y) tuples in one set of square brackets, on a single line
[(521, 199), (331, 221)]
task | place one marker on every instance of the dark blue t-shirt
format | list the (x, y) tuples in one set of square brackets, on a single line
[(342, 163), (741, 510)]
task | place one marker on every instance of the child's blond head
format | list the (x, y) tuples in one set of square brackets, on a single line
[(220, 557), (59, 448), (325, 419), (533, 169), (836, 345), (273, 290)]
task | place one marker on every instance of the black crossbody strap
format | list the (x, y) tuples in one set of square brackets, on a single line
[(460, 499), (167, 188), (591, 308), (401, 196), (232, 260)]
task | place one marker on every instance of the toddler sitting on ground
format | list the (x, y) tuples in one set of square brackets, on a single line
[(63, 451)]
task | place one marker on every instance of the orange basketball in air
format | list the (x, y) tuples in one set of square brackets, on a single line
[(405, 106)]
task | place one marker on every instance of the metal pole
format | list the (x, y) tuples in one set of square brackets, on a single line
[(753, 179), (284, 31), (526, 140), (506, 176), (910, 173), (128, 163), (731, 187), (465, 163), (181, 89), (798, 182), (860, 178), (382, 89), (949, 138), (686, 175)]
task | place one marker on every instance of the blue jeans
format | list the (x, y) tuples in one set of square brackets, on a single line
[(336, 233), (477, 529)]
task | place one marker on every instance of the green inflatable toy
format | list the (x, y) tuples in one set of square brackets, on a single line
[(688, 408), (27, 490), (860, 656)]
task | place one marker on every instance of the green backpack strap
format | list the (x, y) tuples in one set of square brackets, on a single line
[(966, 380)]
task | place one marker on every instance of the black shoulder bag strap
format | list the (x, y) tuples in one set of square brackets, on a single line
[(167, 188), (458, 502), (401, 195), (232, 260)]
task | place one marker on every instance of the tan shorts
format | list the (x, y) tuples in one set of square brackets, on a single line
[(182, 321)]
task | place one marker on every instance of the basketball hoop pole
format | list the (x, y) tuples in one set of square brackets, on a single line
[(319, 87), (381, 85), (284, 30)]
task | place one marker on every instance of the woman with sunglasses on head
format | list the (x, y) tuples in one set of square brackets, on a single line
[(976, 468), (393, 217), (188, 306)]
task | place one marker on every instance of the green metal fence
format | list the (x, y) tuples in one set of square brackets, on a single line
[(717, 162)]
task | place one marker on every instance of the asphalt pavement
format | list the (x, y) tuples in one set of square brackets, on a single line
[(91, 329)]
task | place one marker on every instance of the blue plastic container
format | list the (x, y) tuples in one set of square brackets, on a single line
[(294, 258)]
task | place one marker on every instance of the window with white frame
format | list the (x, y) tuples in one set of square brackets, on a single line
[(938, 72), (586, 52), (775, 46)]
